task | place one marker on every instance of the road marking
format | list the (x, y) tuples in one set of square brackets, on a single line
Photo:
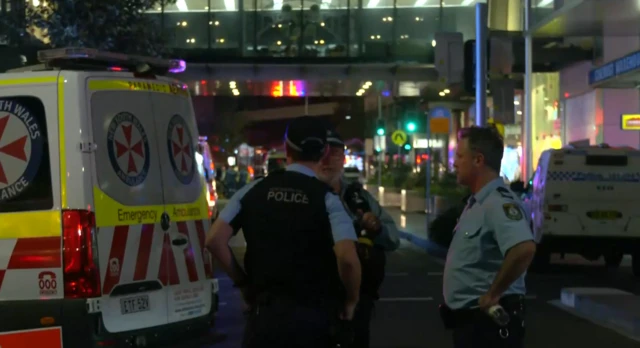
[(435, 273), (406, 299), (400, 274)]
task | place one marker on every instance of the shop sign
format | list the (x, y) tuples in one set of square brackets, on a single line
[(630, 122)]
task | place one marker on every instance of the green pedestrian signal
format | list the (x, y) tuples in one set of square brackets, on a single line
[(407, 146), (411, 127), (380, 127)]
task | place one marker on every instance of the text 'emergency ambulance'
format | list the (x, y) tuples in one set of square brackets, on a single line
[(137, 215)]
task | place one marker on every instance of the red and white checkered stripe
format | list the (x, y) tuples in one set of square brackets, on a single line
[(144, 252), (21, 262)]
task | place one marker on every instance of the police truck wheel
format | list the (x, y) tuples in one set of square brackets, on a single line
[(635, 264), (613, 259)]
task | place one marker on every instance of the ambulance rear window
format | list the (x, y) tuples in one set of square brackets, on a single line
[(25, 171), (604, 160)]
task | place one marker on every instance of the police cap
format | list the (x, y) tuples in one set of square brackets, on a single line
[(307, 134), (334, 139)]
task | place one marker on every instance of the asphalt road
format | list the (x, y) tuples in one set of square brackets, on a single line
[(407, 317)]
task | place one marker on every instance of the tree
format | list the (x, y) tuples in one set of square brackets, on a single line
[(113, 25)]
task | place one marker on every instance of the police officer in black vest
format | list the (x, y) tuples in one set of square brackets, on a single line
[(301, 270), (377, 233)]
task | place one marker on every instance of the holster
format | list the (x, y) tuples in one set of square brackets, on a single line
[(342, 333), (452, 319)]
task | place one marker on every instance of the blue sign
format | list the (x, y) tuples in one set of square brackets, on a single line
[(439, 111), (21, 145), (128, 148), (181, 149), (615, 68)]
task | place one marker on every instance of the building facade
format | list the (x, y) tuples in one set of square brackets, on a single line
[(588, 99)]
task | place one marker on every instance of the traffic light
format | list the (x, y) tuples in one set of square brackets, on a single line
[(380, 127), (407, 147), (411, 126)]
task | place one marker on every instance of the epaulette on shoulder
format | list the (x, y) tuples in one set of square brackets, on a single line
[(504, 192)]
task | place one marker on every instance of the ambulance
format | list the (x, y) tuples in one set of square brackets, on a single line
[(204, 160), (102, 212), (585, 200)]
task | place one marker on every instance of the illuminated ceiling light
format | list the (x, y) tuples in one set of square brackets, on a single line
[(325, 4), (322, 24), (279, 25), (221, 40), (216, 23), (441, 94), (315, 42), (182, 6), (230, 5), (384, 19), (347, 117), (184, 23), (278, 43), (447, 91), (420, 3), (467, 2), (368, 83), (373, 37), (210, 23), (378, 37), (365, 86), (519, 112), (322, 42), (544, 3), (277, 4), (361, 91), (433, 43), (36, 2), (515, 102), (206, 7), (373, 3)]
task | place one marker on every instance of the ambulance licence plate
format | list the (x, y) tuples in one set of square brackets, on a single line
[(134, 304)]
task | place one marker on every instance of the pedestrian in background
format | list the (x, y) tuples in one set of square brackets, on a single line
[(377, 234), (492, 247)]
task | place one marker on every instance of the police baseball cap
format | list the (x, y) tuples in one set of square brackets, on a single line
[(334, 139), (307, 134)]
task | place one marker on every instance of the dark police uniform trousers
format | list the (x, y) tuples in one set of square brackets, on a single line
[(473, 328), (290, 262), (373, 261)]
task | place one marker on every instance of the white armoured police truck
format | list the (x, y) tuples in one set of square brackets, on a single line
[(585, 200), (103, 212)]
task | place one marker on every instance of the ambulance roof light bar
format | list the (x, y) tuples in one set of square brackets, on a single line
[(50, 57)]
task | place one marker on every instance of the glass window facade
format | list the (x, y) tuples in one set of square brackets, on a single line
[(546, 125), (377, 30)]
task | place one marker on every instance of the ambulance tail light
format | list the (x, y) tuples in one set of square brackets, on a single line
[(81, 275), (557, 208)]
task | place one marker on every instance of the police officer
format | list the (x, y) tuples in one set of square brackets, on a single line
[(302, 268), (492, 248), (377, 233)]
